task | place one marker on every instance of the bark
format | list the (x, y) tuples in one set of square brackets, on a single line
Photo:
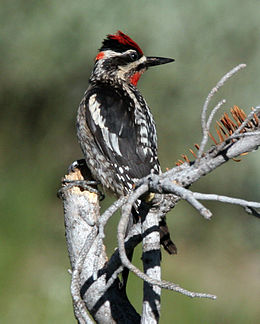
[(95, 286), (102, 297)]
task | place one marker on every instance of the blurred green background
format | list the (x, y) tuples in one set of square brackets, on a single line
[(47, 51)]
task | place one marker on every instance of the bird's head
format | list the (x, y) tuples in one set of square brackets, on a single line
[(120, 59)]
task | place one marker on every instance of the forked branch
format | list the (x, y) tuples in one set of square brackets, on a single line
[(95, 285)]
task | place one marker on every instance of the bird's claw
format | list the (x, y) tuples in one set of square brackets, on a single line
[(86, 185), (78, 164)]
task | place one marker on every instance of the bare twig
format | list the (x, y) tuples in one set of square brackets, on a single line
[(240, 128), (101, 223), (206, 124), (242, 135), (126, 212), (169, 186), (79, 305), (225, 199), (213, 112)]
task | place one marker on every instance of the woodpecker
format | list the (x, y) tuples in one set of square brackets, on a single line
[(115, 127)]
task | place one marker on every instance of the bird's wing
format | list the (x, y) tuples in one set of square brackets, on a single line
[(129, 146)]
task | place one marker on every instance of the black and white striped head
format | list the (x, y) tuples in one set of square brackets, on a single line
[(120, 59)]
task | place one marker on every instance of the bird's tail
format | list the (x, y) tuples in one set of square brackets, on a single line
[(139, 210), (165, 238)]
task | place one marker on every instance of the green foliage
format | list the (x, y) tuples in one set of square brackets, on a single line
[(47, 51)]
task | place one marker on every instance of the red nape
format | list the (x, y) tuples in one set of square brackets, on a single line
[(135, 78), (100, 55), (126, 40)]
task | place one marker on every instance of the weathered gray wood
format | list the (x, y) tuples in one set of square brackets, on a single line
[(101, 297)]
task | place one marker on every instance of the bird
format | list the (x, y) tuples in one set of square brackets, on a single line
[(115, 127)]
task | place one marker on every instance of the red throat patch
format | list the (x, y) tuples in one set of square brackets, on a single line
[(135, 78)]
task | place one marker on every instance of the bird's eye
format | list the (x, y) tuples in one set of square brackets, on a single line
[(133, 56)]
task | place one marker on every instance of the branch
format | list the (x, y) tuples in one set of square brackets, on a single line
[(244, 124), (95, 286), (101, 223), (176, 179), (225, 199), (205, 124), (186, 174), (151, 258), (101, 296), (126, 212)]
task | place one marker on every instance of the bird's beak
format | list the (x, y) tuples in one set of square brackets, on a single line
[(152, 61)]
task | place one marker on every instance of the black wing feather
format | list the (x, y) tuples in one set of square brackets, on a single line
[(117, 113)]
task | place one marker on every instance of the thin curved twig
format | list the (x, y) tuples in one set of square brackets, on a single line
[(213, 113), (206, 124), (242, 135), (240, 128), (79, 305), (126, 212), (101, 223)]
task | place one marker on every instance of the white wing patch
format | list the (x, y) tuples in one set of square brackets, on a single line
[(114, 142), (144, 135), (111, 139), (94, 108)]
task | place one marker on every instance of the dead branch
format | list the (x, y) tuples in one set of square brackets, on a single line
[(95, 285), (101, 297), (205, 124)]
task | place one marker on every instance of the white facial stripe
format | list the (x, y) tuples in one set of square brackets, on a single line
[(132, 65), (109, 53)]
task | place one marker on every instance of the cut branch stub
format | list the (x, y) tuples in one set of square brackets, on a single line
[(101, 297), (81, 210)]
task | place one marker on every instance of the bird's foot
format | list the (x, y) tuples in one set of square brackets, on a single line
[(85, 185), (78, 164)]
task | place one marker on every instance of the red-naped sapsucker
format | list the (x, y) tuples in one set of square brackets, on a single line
[(115, 127)]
